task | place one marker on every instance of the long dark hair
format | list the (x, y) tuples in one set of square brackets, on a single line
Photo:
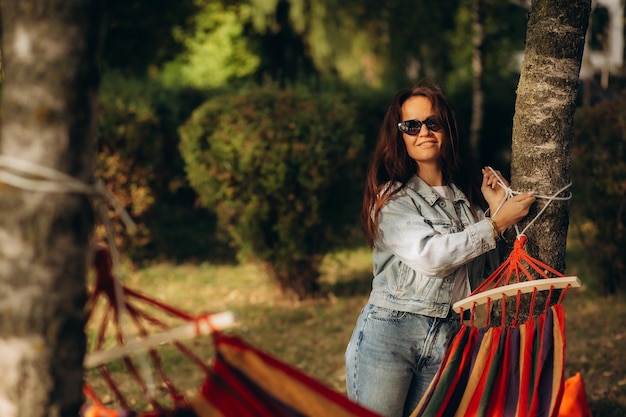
[(391, 163)]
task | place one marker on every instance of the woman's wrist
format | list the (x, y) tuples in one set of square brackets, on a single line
[(494, 228)]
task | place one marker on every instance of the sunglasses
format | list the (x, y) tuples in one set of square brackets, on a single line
[(413, 127)]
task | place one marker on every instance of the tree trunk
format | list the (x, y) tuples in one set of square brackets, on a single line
[(543, 121), (48, 115), (478, 95)]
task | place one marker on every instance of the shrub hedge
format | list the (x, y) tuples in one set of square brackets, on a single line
[(283, 171)]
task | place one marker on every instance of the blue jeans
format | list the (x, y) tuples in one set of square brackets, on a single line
[(393, 356)]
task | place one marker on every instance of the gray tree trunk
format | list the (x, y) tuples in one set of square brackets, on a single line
[(478, 95), (48, 118), (543, 121)]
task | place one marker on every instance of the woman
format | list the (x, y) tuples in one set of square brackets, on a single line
[(423, 215)]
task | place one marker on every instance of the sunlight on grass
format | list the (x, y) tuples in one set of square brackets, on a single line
[(204, 287), (596, 332)]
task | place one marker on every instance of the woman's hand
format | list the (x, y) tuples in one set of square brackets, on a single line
[(513, 210), (493, 192)]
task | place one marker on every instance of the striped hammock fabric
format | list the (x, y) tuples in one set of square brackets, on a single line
[(247, 382), (512, 371)]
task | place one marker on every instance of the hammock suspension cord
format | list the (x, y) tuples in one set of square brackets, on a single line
[(509, 278), (509, 192)]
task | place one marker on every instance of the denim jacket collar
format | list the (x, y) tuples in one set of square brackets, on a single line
[(430, 195)]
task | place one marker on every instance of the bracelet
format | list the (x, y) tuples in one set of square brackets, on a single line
[(496, 234)]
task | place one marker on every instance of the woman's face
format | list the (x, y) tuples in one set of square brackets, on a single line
[(424, 146)]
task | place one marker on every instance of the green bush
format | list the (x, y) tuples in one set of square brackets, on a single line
[(599, 188), (283, 171)]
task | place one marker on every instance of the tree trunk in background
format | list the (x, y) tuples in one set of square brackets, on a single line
[(543, 121), (478, 95), (48, 118)]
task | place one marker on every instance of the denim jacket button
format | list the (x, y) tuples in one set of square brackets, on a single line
[(442, 203)]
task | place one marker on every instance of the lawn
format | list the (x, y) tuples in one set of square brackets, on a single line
[(312, 335)]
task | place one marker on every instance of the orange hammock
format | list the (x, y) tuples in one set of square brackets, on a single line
[(241, 381), (513, 370)]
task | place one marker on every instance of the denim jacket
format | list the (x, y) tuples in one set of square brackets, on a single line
[(423, 240)]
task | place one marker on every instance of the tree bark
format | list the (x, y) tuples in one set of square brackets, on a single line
[(50, 50), (543, 121)]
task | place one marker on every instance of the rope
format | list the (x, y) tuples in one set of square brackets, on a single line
[(509, 192), (29, 176)]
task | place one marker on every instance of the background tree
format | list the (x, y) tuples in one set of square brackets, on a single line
[(478, 93), (48, 119), (489, 123), (543, 121)]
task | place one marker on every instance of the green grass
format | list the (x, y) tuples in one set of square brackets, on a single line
[(312, 335)]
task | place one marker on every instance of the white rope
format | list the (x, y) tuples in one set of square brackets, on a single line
[(29, 176), (46, 179), (510, 193)]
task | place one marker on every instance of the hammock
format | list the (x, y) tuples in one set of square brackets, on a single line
[(241, 381), (151, 322), (513, 369)]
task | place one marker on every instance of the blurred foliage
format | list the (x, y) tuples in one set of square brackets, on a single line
[(378, 44), (599, 189), (283, 170), (139, 33), (375, 45), (139, 162), (216, 52), (504, 32), (129, 149)]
